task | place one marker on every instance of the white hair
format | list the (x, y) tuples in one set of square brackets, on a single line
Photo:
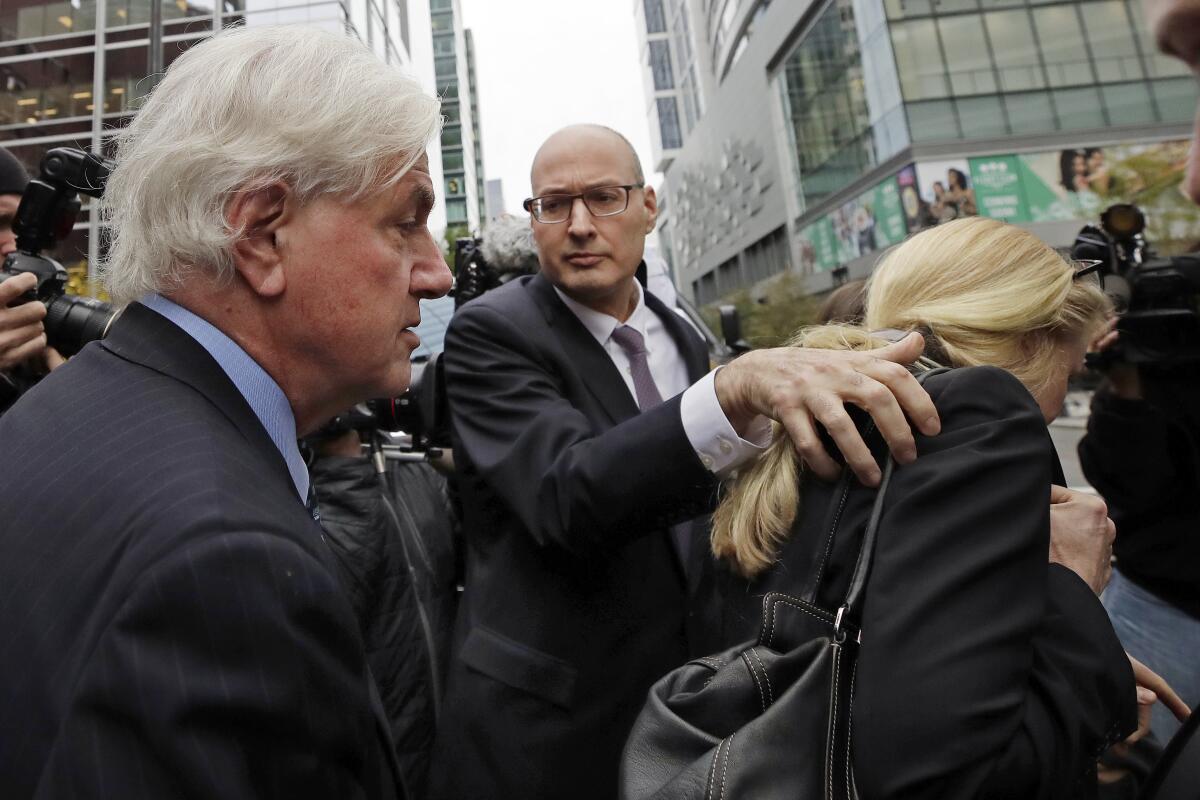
[(240, 111)]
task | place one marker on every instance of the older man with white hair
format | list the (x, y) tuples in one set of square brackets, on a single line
[(171, 622)]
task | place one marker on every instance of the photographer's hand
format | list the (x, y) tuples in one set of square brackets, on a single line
[(800, 387), (21, 333), (1123, 378)]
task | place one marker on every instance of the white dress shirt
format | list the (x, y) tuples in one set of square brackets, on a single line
[(717, 445)]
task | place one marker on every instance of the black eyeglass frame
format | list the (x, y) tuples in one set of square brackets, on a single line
[(628, 187), (1088, 266)]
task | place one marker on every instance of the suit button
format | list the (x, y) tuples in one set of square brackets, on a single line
[(726, 447), (707, 461)]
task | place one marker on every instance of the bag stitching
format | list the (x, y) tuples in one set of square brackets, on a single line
[(762, 698), (850, 725), (787, 602), (766, 676), (712, 773), (833, 725), (725, 769)]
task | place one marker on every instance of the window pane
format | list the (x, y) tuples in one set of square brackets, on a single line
[(981, 117), (966, 48), (1176, 98), (1079, 108), (668, 123), (1113, 49), (1128, 103), (1157, 64), (932, 121), (456, 211), (654, 16), (1015, 50), (899, 9), (452, 136), (919, 60), (660, 65), (1063, 46), (1030, 112)]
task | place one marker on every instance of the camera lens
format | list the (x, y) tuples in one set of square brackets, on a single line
[(71, 322)]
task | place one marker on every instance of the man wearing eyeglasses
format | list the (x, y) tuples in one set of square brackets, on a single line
[(588, 432)]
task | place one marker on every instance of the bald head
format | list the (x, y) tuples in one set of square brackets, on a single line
[(585, 139)]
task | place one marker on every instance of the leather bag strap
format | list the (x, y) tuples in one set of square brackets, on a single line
[(851, 608)]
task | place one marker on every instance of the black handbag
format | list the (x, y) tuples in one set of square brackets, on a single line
[(766, 719)]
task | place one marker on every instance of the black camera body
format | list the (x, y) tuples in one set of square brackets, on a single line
[(48, 210), (1158, 299)]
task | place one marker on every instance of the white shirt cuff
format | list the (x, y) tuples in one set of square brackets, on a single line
[(716, 443)]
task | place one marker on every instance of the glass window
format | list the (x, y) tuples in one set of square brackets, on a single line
[(452, 160), (660, 65), (932, 120), (1065, 52), (451, 112), (899, 9), (441, 22), (1176, 98), (1015, 50), (452, 136), (919, 60), (1158, 65), (443, 44), (668, 123), (655, 22), (456, 211), (989, 4), (1079, 108), (966, 48), (981, 117), (1128, 103), (1113, 49), (1030, 112), (950, 6)]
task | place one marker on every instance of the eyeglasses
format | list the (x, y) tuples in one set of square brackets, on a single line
[(602, 201), (1089, 270)]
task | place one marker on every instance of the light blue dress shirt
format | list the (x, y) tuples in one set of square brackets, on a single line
[(262, 393)]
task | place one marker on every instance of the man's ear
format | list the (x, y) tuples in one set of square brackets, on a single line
[(258, 214), (651, 208)]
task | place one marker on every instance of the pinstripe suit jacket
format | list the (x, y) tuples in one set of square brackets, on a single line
[(171, 624)]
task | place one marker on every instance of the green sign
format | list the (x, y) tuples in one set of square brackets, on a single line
[(822, 245), (998, 188), (890, 227)]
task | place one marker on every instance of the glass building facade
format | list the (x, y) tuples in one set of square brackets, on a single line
[(872, 77), (74, 71), (462, 152)]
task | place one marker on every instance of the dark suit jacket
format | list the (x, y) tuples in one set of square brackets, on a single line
[(170, 622), (575, 598), (983, 672)]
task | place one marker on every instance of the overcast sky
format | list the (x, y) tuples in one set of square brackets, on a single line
[(543, 65)]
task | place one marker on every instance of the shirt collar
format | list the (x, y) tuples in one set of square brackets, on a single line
[(601, 325), (262, 393)]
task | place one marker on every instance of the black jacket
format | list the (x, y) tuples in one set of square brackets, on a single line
[(984, 672), (171, 622), (404, 592), (1146, 466), (576, 599)]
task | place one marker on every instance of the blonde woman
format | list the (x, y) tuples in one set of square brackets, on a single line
[(984, 670)]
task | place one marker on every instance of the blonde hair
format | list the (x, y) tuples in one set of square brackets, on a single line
[(982, 292)]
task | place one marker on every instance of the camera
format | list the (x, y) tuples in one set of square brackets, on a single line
[(48, 210), (1158, 299)]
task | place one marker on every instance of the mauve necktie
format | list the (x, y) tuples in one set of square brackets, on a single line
[(634, 346)]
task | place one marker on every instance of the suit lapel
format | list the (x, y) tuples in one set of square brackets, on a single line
[(592, 364)]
